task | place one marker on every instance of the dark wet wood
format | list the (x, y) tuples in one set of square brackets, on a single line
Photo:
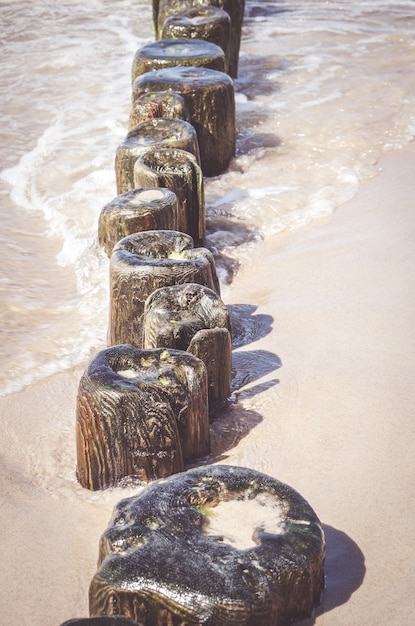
[(161, 132), (135, 211), (179, 171), (162, 9), (141, 414), (164, 53), (210, 98), (103, 620), (201, 22), (158, 104), (157, 563), (192, 317), (144, 262)]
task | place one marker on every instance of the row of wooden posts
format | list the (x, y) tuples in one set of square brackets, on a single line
[(145, 402)]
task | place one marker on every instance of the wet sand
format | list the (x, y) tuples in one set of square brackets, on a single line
[(323, 383)]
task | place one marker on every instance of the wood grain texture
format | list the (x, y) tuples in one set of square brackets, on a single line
[(210, 98), (161, 132), (135, 211), (162, 9), (192, 317), (144, 262), (201, 22), (179, 171), (140, 415), (157, 564), (158, 104)]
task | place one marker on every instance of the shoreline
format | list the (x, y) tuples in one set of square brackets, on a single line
[(324, 404)]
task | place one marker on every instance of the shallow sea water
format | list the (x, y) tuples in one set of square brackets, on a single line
[(324, 90)]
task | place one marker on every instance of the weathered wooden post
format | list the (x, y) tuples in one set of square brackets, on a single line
[(162, 9), (161, 132), (164, 53), (192, 317), (158, 104), (201, 22), (210, 98), (179, 171), (135, 211), (174, 554), (141, 414), (143, 262)]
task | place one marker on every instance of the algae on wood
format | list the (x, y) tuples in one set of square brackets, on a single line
[(179, 171), (161, 132), (210, 98), (144, 262), (192, 317), (159, 558), (162, 9), (141, 414), (201, 22)]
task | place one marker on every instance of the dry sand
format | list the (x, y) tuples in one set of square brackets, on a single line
[(334, 303)]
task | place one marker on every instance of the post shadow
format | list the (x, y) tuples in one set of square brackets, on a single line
[(344, 572)]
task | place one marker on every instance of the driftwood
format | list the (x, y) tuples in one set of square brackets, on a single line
[(201, 22), (192, 317), (144, 262), (134, 211), (141, 414), (210, 98), (163, 53), (158, 104), (179, 171), (162, 9), (163, 561), (161, 132)]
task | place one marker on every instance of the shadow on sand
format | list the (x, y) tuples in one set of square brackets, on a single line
[(344, 572)]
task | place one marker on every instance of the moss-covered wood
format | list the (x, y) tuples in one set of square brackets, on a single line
[(179, 171), (162, 9), (210, 98), (158, 560), (192, 317), (135, 211), (144, 262), (160, 131), (164, 53), (141, 414), (158, 104), (201, 22)]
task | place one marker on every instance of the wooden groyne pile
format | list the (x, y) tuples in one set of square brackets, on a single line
[(145, 403)]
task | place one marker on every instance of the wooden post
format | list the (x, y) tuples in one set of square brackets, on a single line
[(162, 9), (174, 554), (158, 104), (146, 261), (161, 132), (192, 317), (210, 98), (135, 211), (163, 53), (179, 171), (140, 415), (201, 22)]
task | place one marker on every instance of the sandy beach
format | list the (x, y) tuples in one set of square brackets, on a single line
[(324, 402)]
